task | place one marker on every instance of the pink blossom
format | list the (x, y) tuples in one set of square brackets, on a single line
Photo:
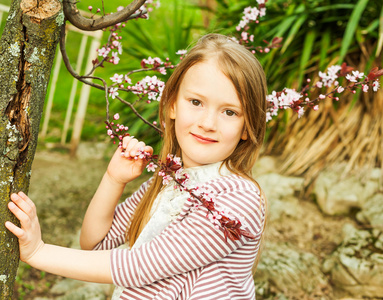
[(115, 58), (128, 80), (330, 76), (319, 84), (151, 167), (301, 111), (351, 78), (116, 116), (103, 52), (118, 45), (357, 74), (110, 132), (179, 173), (181, 52), (113, 92), (166, 179), (376, 85), (214, 217), (288, 97), (117, 78), (321, 96), (365, 88), (316, 107), (90, 7), (162, 70), (340, 89)]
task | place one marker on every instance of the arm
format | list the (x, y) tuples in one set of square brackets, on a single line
[(121, 170), (77, 264), (122, 215)]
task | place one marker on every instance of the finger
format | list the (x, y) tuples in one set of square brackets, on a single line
[(27, 199), (17, 231), (138, 146), (19, 214), (24, 203), (148, 149), (129, 146), (126, 140)]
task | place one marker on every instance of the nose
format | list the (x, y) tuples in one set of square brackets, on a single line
[(208, 121)]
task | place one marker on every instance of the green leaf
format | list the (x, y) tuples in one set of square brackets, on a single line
[(293, 32), (351, 28), (306, 53), (380, 40), (324, 49)]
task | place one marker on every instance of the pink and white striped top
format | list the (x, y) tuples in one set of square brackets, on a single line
[(190, 259)]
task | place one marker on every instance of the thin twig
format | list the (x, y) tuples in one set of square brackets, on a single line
[(138, 114)]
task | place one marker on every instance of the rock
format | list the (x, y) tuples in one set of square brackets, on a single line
[(289, 270), (336, 196), (264, 165), (357, 264), (91, 150), (280, 193), (69, 289), (372, 212)]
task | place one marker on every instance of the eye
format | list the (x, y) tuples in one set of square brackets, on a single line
[(195, 102), (230, 113)]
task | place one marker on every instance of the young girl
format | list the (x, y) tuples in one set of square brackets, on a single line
[(157, 244)]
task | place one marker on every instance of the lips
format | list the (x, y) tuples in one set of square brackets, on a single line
[(203, 139)]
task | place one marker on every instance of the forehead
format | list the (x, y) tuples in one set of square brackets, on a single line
[(207, 80)]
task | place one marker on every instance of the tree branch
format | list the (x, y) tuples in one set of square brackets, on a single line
[(69, 66), (72, 14)]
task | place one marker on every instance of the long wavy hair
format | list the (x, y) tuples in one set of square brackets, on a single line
[(248, 78)]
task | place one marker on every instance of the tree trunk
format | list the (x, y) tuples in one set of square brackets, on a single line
[(27, 48)]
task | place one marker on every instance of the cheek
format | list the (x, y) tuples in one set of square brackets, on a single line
[(185, 120)]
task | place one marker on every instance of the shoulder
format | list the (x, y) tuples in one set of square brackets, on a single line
[(232, 183), (241, 197)]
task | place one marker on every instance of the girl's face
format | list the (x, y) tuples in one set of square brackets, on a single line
[(209, 120)]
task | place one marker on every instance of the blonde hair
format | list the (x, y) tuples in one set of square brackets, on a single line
[(248, 78)]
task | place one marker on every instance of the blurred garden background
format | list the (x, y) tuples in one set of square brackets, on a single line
[(322, 173)]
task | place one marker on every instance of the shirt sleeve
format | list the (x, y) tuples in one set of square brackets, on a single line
[(122, 215), (189, 243)]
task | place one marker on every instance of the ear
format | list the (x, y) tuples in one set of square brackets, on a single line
[(172, 113), (244, 134)]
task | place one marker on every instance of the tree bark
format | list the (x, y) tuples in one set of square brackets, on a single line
[(27, 50)]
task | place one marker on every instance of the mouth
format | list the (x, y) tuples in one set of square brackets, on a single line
[(203, 139)]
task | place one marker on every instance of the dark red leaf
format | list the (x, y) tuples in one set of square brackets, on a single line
[(374, 73), (247, 234), (345, 70), (277, 40)]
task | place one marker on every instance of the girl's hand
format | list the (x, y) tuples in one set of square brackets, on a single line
[(123, 166), (29, 234)]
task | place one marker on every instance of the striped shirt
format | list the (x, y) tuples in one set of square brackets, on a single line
[(190, 259)]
